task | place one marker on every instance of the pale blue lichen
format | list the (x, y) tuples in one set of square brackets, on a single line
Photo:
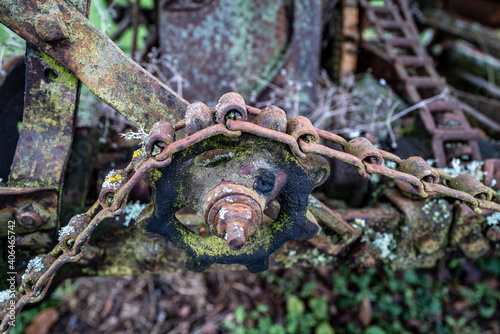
[(132, 211), (494, 219), (5, 295), (36, 264)]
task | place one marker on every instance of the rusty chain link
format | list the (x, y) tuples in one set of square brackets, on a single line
[(298, 133)]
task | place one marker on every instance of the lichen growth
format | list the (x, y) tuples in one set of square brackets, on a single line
[(113, 180), (36, 264), (5, 295), (132, 211), (494, 219), (66, 230)]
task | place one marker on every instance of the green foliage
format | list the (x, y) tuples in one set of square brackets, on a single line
[(397, 300)]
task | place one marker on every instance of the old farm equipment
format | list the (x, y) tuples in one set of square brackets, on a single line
[(231, 183)]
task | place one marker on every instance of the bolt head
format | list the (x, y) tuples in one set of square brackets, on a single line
[(29, 216), (51, 28)]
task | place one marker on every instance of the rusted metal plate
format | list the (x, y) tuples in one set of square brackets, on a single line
[(48, 123), (69, 38), (221, 44)]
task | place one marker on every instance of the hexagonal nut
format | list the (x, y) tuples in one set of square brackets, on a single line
[(30, 215), (51, 28)]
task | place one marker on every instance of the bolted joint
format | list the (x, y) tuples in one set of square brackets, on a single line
[(51, 28), (30, 216), (234, 221), (233, 212)]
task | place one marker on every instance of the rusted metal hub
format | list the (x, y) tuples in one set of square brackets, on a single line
[(233, 212), (230, 181)]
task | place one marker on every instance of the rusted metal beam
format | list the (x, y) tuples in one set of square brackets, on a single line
[(68, 37), (50, 103)]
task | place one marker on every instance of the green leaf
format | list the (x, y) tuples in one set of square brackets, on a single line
[(319, 307), (374, 330), (239, 314), (294, 305), (324, 328)]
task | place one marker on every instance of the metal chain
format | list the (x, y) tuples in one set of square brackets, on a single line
[(301, 137)]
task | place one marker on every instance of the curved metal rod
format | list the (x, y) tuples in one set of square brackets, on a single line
[(323, 150)]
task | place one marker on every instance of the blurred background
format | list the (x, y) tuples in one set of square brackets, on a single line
[(314, 58)]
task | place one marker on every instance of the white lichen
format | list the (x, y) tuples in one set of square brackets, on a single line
[(313, 202), (5, 295), (66, 230), (139, 135), (494, 219), (385, 243), (113, 180), (474, 168), (36, 264), (222, 213), (360, 222), (132, 211)]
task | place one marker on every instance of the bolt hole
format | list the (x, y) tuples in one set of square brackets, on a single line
[(50, 74)]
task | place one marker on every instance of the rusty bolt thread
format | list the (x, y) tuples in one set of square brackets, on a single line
[(235, 221), (233, 212), (235, 235)]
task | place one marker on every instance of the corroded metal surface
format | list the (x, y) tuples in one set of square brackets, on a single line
[(240, 163), (83, 49), (34, 208), (48, 123), (232, 40)]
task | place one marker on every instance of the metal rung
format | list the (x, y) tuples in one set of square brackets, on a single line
[(391, 24), (378, 9), (403, 42), (452, 135), (413, 60), (426, 82), (440, 106)]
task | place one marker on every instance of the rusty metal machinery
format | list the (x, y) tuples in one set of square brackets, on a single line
[(230, 168), (231, 183)]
